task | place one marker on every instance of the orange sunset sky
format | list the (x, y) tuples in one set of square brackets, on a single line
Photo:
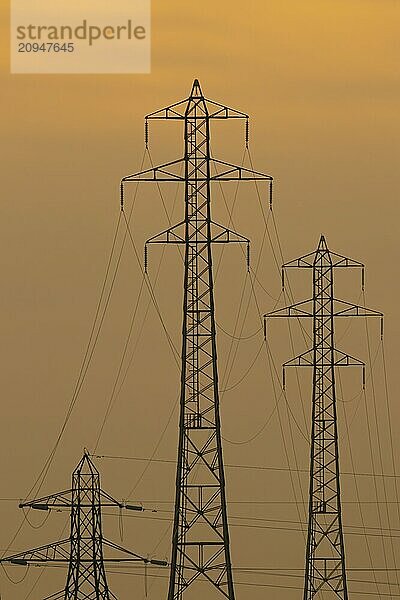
[(320, 81)]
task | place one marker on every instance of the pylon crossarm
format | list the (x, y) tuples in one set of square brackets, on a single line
[(300, 309), (231, 172), (175, 112), (172, 235), (160, 173), (114, 546), (223, 112), (303, 360), (64, 500), (133, 556), (338, 260), (348, 309), (58, 500), (56, 552), (108, 501), (341, 359), (335, 259), (223, 235), (341, 308), (169, 112), (306, 359), (177, 235), (216, 110), (304, 262), (226, 172)]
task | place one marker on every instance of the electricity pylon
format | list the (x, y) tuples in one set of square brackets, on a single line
[(200, 540), (325, 569), (82, 551)]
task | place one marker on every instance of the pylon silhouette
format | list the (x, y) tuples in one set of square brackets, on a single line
[(83, 550), (200, 558), (325, 569)]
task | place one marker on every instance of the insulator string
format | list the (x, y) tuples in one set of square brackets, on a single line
[(270, 195), (146, 133)]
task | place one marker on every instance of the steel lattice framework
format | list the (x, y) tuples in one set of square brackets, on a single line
[(200, 543), (325, 569), (83, 550)]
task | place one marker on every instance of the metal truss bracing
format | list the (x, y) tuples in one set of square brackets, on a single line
[(200, 561), (83, 550), (325, 569), (86, 574)]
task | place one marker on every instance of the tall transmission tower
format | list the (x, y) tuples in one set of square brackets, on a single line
[(83, 550), (325, 569), (200, 541)]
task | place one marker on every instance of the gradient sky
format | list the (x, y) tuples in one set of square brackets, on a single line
[(320, 80)]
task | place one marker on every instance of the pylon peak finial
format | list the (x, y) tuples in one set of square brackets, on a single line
[(86, 464), (322, 243), (196, 88)]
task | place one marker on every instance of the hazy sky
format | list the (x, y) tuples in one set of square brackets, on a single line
[(320, 80)]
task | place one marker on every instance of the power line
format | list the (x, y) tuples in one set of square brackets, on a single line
[(237, 466)]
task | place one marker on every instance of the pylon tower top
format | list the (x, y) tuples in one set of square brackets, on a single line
[(86, 466), (213, 109)]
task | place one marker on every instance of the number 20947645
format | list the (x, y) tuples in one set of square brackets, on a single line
[(45, 47)]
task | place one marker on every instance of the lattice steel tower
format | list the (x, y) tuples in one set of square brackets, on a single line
[(325, 569), (82, 551), (200, 544)]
